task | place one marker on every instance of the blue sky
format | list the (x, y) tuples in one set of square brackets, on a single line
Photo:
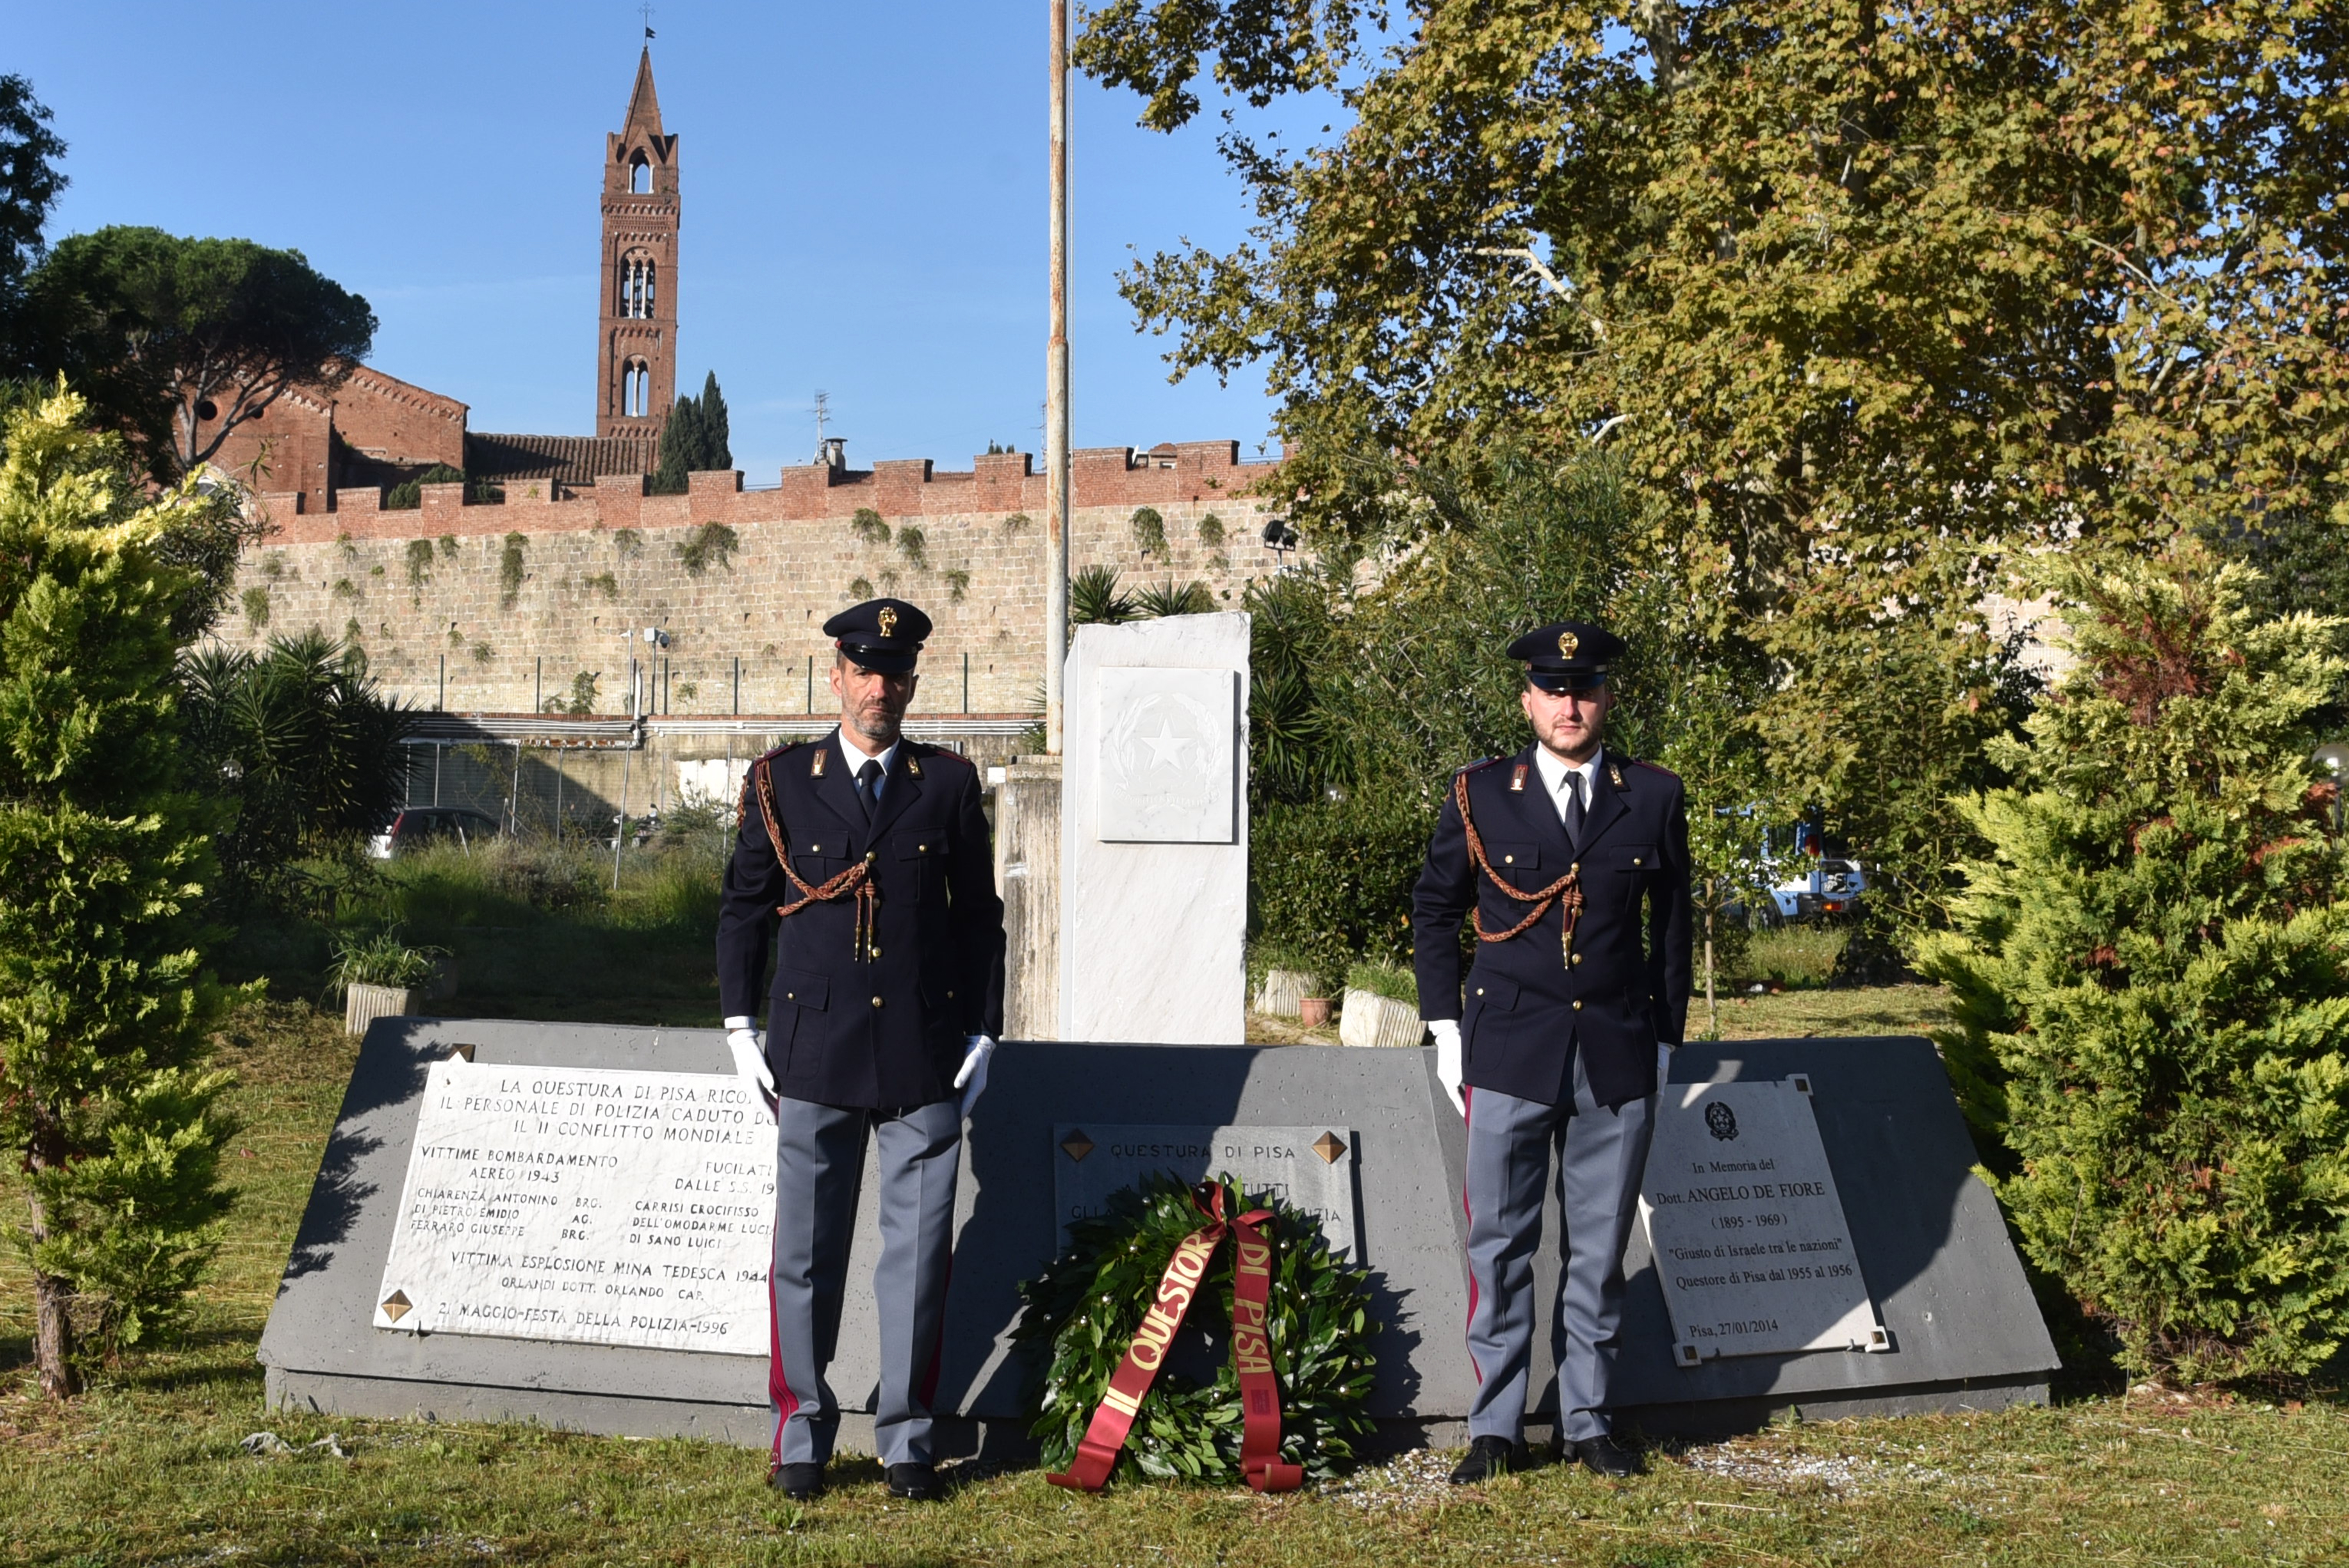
[(864, 189)]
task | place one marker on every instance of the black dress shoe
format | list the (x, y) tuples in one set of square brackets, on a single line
[(1488, 1458), (1608, 1458), (800, 1482), (915, 1482)]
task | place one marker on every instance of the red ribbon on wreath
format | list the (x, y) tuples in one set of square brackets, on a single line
[(1112, 1419)]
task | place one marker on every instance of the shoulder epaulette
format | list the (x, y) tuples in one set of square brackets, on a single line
[(1654, 768), (1480, 765)]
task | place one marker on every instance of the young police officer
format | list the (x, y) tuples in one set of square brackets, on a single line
[(1572, 1002), (871, 854)]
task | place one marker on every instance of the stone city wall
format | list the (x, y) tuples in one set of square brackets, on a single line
[(501, 608)]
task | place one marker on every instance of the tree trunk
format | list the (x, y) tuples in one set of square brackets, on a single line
[(53, 1321)]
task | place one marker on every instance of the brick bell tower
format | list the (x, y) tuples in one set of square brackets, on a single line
[(636, 336)]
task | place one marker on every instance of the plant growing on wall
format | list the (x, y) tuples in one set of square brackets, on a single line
[(1211, 532), (582, 700), (958, 580), (344, 588), (859, 589), (603, 582), (448, 547), (511, 570), (256, 608), (628, 543), (1149, 531), (868, 525), (711, 543), (420, 568), (914, 545), (1015, 522)]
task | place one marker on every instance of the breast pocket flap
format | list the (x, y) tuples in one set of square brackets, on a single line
[(803, 989), (921, 845), (1633, 857), (1507, 857), (832, 845)]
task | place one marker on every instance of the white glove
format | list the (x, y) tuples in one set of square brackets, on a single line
[(972, 1079), (1447, 1058), (751, 1060), (1663, 1065)]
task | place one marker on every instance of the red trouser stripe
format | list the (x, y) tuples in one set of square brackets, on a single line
[(779, 1387)]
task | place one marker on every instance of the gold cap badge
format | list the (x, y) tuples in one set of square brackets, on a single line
[(1567, 643), (889, 619)]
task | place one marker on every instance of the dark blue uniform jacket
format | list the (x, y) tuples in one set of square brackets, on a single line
[(1532, 1002), (845, 1029)]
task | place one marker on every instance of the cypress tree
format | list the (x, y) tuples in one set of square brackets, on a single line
[(2150, 970), (694, 440)]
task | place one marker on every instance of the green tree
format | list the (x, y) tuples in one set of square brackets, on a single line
[(183, 340), (1869, 295), (30, 183), (694, 440), (300, 745), (104, 1005), (2151, 974)]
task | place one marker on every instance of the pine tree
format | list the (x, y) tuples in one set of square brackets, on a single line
[(2151, 975), (105, 1103)]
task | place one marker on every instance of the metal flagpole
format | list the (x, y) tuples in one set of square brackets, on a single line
[(1055, 395)]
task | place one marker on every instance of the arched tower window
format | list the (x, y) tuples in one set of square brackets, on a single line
[(640, 175), (636, 389), (640, 274)]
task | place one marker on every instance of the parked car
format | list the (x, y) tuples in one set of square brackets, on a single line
[(1806, 884), (420, 825)]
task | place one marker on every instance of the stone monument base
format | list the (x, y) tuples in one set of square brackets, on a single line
[(1942, 1277)]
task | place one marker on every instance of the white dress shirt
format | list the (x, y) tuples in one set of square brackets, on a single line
[(1554, 771), (857, 757)]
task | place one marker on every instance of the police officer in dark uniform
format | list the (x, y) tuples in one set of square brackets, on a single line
[(1572, 862), (862, 861)]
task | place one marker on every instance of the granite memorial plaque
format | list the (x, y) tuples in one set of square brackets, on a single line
[(1750, 1241), (1309, 1167), (604, 1206), (1163, 774)]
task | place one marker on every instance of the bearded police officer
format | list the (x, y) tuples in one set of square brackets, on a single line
[(864, 858), (1571, 861)]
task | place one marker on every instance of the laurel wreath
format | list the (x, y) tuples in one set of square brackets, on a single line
[(1084, 1309)]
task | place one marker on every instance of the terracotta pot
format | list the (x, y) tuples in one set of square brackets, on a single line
[(1313, 1011)]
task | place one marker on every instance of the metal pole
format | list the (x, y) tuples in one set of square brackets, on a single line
[(437, 750), (965, 682), (558, 797), (441, 705), (620, 823), (538, 686), (513, 794), (738, 686), (1056, 393), (811, 683)]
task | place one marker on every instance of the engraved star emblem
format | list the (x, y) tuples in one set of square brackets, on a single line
[(1076, 1146), (1328, 1146), (1165, 746), (396, 1306)]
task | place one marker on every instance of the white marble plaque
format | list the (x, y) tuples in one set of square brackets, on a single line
[(1309, 1167), (1747, 1230), (1164, 757), (595, 1205)]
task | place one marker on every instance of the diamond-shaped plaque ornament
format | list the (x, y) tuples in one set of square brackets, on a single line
[(396, 1306), (1076, 1146), (1329, 1146)]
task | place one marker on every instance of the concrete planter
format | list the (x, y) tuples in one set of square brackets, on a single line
[(363, 1005), (1371, 1020), (1282, 992)]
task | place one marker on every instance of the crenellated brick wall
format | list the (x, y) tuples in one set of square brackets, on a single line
[(424, 590)]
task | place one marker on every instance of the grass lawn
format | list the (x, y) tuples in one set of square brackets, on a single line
[(147, 1469)]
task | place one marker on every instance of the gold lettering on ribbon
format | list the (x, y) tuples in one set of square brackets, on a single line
[(1251, 1352), (1183, 1272)]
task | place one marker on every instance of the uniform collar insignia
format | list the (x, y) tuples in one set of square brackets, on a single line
[(815, 765), (913, 765), (1518, 778), (1615, 771)]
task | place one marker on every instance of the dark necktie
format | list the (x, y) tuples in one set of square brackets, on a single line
[(1574, 809), (868, 786)]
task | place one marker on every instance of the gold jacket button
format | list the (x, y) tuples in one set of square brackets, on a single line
[(925, 849), (1576, 866), (1577, 1003), (876, 1002), (1480, 990), (790, 996), (950, 995), (1508, 859), (1577, 958), (1635, 859)]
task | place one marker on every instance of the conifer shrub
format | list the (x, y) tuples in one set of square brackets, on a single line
[(2150, 976)]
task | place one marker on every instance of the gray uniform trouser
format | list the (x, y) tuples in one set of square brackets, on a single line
[(819, 1165), (1600, 1154)]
